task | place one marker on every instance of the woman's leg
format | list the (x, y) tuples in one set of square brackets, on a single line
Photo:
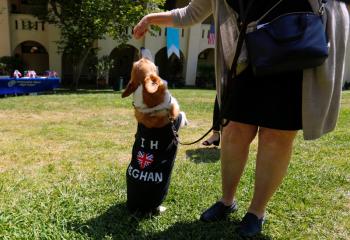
[(273, 157), (236, 139)]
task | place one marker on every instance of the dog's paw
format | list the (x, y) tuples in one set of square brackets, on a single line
[(161, 209), (184, 121)]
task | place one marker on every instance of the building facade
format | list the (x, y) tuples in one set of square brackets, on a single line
[(34, 42)]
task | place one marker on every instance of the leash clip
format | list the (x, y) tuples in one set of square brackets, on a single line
[(322, 8)]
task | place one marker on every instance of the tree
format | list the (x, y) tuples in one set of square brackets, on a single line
[(83, 22)]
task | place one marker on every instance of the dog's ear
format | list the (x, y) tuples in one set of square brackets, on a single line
[(152, 83), (130, 88), (133, 83)]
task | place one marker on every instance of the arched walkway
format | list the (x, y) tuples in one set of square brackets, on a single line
[(88, 74), (34, 56), (205, 76), (170, 69), (123, 59)]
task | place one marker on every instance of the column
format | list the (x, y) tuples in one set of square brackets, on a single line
[(55, 58), (192, 54), (5, 39)]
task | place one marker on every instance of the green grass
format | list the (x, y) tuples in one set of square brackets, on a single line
[(62, 174)]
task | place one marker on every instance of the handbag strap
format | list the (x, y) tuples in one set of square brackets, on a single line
[(243, 24), (268, 11), (320, 10)]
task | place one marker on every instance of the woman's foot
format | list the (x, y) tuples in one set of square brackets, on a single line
[(218, 211), (250, 225), (213, 140)]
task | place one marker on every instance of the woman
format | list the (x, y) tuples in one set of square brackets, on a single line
[(272, 108)]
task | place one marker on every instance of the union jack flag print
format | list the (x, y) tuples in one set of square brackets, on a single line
[(144, 159)]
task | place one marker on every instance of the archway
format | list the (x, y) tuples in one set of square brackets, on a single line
[(88, 73), (170, 69), (205, 76), (34, 56), (123, 59)]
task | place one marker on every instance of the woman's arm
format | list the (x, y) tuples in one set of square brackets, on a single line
[(196, 11), (160, 19)]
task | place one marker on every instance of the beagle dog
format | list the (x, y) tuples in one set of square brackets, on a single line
[(155, 147)]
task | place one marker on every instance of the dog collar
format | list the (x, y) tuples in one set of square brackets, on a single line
[(164, 106)]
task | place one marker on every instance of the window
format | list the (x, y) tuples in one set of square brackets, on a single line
[(28, 7)]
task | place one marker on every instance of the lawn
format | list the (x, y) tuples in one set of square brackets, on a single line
[(63, 159)]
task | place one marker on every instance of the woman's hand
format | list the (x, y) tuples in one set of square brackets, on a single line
[(159, 19), (141, 28)]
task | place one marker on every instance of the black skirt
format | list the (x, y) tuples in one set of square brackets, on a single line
[(267, 101)]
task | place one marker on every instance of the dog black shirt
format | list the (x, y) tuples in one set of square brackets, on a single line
[(148, 174)]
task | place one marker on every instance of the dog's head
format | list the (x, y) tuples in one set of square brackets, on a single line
[(144, 72)]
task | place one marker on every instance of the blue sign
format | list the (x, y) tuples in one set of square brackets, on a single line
[(27, 85), (173, 41)]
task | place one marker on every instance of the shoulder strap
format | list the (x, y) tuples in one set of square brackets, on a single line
[(320, 10), (242, 30), (268, 11)]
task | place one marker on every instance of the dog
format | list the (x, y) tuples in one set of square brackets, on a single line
[(155, 147)]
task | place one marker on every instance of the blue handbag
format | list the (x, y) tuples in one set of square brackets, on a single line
[(292, 41)]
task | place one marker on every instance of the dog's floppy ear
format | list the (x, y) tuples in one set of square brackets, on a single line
[(152, 83), (133, 83), (130, 88)]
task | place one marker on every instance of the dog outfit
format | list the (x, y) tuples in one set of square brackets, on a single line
[(148, 174)]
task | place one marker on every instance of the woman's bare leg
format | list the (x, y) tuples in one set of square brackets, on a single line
[(273, 157), (236, 139)]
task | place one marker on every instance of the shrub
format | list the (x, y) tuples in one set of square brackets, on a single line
[(10, 63)]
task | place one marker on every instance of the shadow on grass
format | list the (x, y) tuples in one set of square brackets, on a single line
[(116, 223), (63, 91), (204, 155), (200, 230)]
